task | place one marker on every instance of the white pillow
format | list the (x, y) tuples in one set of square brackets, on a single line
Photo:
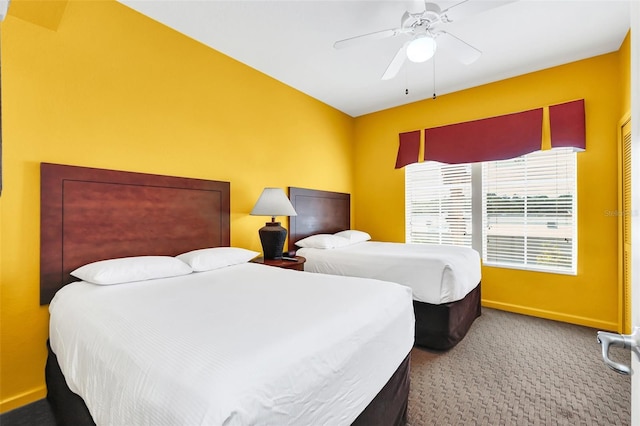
[(354, 236), (216, 257), (128, 269), (323, 241)]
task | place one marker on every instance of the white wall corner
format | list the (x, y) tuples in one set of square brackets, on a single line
[(4, 7)]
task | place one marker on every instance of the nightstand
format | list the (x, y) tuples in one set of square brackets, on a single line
[(297, 265)]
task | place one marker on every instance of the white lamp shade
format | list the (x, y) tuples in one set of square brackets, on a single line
[(273, 202), (421, 48)]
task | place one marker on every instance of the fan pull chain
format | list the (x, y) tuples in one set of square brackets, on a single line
[(406, 81), (434, 76)]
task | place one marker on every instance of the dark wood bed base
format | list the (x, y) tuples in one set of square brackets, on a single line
[(441, 327), (438, 327), (90, 214)]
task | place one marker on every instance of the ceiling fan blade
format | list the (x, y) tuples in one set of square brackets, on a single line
[(378, 35), (396, 63), (457, 48), (415, 6), (470, 7)]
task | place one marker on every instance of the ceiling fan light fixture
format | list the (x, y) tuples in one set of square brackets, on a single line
[(421, 48)]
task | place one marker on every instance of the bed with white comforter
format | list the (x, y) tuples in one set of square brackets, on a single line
[(437, 274), (244, 344)]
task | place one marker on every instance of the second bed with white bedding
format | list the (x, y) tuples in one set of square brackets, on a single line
[(244, 344), (437, 274)]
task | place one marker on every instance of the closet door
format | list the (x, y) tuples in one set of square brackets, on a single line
[(625, 219)]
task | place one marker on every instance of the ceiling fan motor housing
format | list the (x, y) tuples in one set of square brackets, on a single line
[(431, 13)]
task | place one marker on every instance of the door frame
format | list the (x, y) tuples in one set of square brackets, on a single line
[(634, 17)]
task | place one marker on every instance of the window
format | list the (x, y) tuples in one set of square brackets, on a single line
[(528, 209), (438, 203)]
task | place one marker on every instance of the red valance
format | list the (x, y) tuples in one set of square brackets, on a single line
[(409, 148), (498, 138), (568, 125), (489, 139)]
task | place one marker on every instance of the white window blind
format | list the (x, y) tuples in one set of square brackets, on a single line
[(529, 211), (438, 203)]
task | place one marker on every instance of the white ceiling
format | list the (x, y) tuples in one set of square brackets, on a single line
[(292, 41)]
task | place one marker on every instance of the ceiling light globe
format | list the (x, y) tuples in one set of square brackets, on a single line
[(421, 48)]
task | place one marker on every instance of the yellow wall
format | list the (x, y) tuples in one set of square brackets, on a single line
[(109, 88), (590, 298)]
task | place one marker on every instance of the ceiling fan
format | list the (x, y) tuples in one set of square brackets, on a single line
[(420, 24)]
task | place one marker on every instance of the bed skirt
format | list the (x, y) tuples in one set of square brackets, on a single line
[(441, 327), (388, 408)]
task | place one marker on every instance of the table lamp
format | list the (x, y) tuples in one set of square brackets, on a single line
[(273, 202)]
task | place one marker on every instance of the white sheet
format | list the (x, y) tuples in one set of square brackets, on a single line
[(246, 344), (436, 273)]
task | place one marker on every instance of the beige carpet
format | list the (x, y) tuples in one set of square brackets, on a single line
[(514, 369)]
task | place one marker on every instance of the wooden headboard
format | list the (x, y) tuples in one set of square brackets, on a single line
[(319, 212), (89, 214)]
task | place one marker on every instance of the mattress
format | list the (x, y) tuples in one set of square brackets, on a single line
[(245, 344), (437, 274)]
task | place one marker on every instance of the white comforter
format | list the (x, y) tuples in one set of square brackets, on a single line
[(436, 273), (243, 345)]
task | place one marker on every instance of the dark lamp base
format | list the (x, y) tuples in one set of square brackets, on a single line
[(272, 237)]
